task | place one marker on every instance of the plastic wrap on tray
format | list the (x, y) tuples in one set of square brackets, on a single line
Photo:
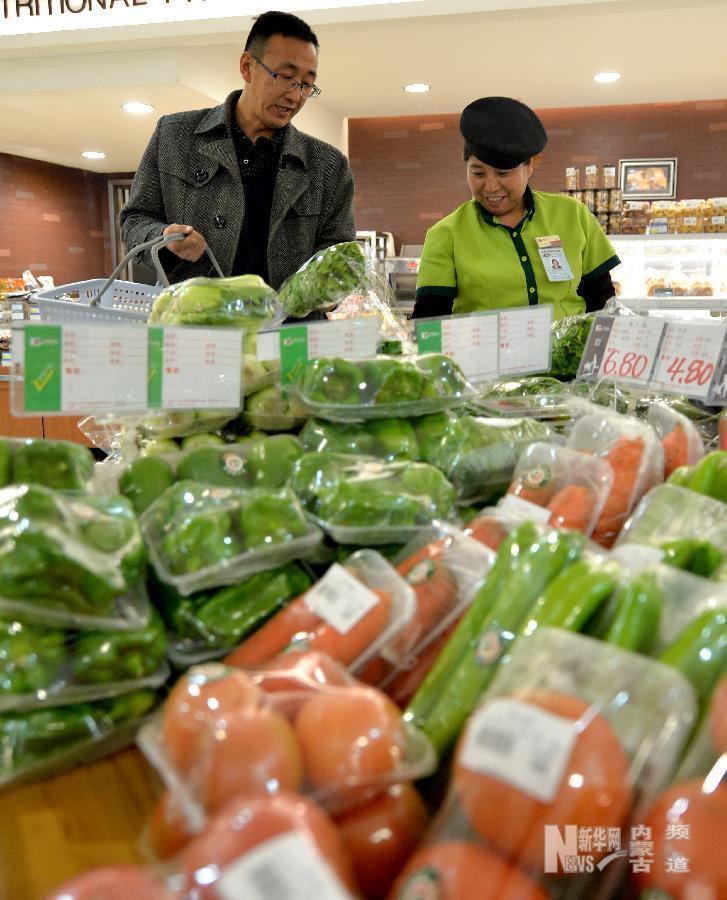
[(478, 455), (558, 486), (163, 425), (271, 410), (61, 465), (570, 336), (38, 743), (538, 396), (680, 440), (220, 735), (444, 569), (208, 624), (361, 500), (67, 558), (351, 614), (707, 477), (327, 278), (632, 450), (571, 735), (387, 439), (45, 666), (200, 537), (381, 388)]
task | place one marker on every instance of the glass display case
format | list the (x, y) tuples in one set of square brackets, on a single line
[(671, 266)]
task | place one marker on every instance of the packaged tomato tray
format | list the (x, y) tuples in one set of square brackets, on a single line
[(70, 559), (571, 735), (42, 666), (351, 614), (258, 848), (362, 500), (200, 537), (559, 487), (225, 732), (634, 453), (383, 387)]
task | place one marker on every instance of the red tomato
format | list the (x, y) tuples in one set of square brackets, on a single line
[(460, 870), (718, 716), (253, 751), (202, 696), (381, 835), (704, 814), (112, 883), (169, 830), (594, 788), (350, 734), (246, 823)]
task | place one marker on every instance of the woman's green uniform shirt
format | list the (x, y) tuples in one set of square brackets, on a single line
[(483, 264)]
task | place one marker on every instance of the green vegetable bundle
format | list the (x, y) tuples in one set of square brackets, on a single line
[(55, 464), (344, 390), (371, 500), (77, 556), (570, 336), (325, 279), (200, 536), (387, 439), (243, 301)]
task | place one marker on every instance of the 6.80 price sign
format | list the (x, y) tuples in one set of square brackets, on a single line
[(628, 365), (630, 349)]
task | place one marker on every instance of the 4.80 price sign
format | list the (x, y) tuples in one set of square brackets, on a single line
[(688, 358)]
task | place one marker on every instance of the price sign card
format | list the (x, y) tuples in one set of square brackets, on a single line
[(80, 369), (621, 348), (471, 341), (347, 338), (200, 368), (525, 339), (688, 358)]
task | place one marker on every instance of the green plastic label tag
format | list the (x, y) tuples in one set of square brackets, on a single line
[(43, 365), (293, 352), (155, 352), (429, 336)]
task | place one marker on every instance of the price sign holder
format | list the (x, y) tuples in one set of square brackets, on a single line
[(621, 348), (491, 343), (688, 358), (296, 344), (108, 368)]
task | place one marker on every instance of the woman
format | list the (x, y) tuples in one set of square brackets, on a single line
[(510, 245)]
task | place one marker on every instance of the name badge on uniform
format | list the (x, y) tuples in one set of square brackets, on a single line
[(553, 258)]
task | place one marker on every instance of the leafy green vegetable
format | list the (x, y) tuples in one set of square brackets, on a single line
[(325, 279), (570, 336)]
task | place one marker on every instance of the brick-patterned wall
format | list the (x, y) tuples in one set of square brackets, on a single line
[(409, 170), (54, 220)]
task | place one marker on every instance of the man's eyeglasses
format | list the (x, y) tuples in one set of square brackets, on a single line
[(287, 83)]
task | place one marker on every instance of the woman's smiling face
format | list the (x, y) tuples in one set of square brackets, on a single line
[(500, 191)]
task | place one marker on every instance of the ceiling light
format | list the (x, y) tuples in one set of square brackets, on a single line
[(416, 88), (606, 77), (136, 108), (93, 154)]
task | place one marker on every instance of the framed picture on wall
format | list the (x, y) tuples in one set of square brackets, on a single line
[(648, 179)]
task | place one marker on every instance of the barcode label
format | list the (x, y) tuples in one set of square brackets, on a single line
[(340, 599), (520, 744), (287, 867)]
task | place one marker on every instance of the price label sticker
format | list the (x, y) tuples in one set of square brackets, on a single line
[(341, 599), (525, 339), (345, 338), (470, 340), (688, 358), (201, 368), (621, 348), (520, 744)]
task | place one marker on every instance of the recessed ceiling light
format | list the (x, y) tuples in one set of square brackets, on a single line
[(136, 108), (416, 88), (93, 154), (606, 77)]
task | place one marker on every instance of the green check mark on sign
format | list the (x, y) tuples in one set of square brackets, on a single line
[(43, 365)]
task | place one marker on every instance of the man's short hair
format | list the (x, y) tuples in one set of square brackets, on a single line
[(282, 23)]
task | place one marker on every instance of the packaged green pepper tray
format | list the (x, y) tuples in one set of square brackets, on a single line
[(344, 390), (55, 464), (71, 560), (42, 666), (201, 537), (362, 500)]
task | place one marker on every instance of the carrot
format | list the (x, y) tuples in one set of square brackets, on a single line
[(536, 485), (275, 635), (403, 687), (435, 588), (625, 460), (346, 648), (572, 507), (487, 530), (676, 450)]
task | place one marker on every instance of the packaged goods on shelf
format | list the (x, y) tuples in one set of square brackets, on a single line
[(635, 216), (608, 179), (62, 465), (572, 178), (387, 439), (591, 178), (690, 216)]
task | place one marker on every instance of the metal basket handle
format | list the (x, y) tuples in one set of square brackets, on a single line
[(156, 244)]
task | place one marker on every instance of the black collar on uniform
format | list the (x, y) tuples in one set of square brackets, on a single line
[(529, 209)]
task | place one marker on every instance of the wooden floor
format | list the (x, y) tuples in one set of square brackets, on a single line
[(91, 816)]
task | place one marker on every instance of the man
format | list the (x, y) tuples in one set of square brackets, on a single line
[(239, 177)]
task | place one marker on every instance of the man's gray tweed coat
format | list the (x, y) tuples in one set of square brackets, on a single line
[(189, 174)]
